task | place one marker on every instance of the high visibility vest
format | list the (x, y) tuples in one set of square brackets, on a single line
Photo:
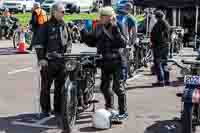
[(41, 16)]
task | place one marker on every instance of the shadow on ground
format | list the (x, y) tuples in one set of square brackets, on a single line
[(10, 51), (167, 126), (8, 124), (32, 123)]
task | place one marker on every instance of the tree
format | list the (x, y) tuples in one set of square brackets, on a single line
[(107, 2)]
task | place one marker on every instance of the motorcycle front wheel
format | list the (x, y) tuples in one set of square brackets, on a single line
[(69, 106), (187, 118)]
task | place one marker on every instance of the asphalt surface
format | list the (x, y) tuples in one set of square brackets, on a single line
[(151, 109)]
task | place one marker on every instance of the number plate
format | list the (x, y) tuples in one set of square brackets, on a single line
[(192, 80)]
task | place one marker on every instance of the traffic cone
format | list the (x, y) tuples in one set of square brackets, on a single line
[(22, 47), (22, 44)]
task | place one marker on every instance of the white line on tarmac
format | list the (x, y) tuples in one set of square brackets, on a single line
[(44, 120), (20, 70), (33, 125), (133, 78)]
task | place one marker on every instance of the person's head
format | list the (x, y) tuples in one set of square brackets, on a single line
[(58, 11), (6, 10), (124, 6), (159, 15), (107, 15), (36, 5)]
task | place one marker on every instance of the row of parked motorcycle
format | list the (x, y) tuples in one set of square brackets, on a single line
[(140, 54)]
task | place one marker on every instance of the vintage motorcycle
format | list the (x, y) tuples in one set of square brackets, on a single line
[(78, 92)]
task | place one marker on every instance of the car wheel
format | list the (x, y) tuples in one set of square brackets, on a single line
[(78, 10), (90, 10)]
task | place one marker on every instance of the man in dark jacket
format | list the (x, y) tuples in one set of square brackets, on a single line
[(160, 42), (109, 40), (52, 42)]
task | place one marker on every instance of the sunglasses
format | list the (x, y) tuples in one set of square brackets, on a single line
[(63, 12)]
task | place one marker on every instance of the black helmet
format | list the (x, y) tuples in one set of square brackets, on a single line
[(159, 14)]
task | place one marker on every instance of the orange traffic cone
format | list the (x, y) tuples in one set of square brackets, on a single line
[(22, 47), (22, 44)]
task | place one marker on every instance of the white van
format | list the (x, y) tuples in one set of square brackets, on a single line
[(79, 6), (18, 5), (1, 4)]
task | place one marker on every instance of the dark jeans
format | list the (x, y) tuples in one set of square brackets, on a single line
[(111, 71), (55, 71), (160, 58), (5, 28), (33, 40)]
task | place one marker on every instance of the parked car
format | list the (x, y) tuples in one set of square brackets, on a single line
[(1, 5), (46, 5), (77, 6), (18, 5)]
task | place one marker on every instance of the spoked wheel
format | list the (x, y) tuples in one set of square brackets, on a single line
[(28, 37), (16, 37), (89, 95), (131, 65), (69, 106), (148, 56), (76, 35), (188, 118)]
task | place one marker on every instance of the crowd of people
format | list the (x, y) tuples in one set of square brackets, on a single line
[(115, 31), (8, 24)]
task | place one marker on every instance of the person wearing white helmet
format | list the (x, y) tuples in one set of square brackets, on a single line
[(109, 40)]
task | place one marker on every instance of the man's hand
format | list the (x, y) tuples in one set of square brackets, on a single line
[(43, 63)]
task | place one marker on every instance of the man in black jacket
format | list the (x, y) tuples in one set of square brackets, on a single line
[(160, 42), (52, 41), (109, 40)]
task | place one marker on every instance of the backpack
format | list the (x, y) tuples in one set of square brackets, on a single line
[(41, 16)]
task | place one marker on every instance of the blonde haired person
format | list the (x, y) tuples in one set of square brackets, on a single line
[(109, 40)]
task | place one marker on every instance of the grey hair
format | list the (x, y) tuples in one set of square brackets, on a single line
[(54, 8), (36, 4)]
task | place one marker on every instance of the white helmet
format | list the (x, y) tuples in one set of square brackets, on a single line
[(102, 119)]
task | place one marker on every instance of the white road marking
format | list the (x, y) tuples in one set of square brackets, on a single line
[(36, 124), (20, 70), (42, 121), (133, 78)]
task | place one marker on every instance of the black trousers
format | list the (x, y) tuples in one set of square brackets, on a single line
[(55, 71), (111, 72), (5, 28)]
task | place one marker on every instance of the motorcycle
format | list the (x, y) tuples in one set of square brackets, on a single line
[(176, 40), (18, 35), (78, 92), (143, 52), (190, 97)]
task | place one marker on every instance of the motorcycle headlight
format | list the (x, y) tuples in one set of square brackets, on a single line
[(70, 65)]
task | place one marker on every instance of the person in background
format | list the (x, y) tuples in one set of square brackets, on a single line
[(160, 38), (128, 26), (38, 18)]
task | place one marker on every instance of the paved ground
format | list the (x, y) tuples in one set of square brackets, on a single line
[(151, 109)]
